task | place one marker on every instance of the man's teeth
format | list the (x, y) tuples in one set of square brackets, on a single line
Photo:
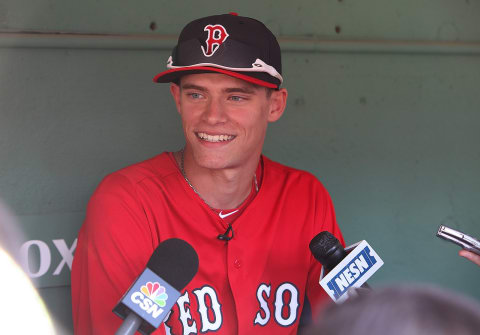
[(215, 138)]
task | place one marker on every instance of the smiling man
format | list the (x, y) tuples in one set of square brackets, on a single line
[(249, 219)]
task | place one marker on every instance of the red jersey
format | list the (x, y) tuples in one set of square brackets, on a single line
[(256, 283)]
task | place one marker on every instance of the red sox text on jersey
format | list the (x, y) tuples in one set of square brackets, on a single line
[(285, 300)]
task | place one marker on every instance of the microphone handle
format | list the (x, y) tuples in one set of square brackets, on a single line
[(359, 291), (130, 325)]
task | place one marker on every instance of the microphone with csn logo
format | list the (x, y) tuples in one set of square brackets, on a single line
[(348, 269), (148, 301)]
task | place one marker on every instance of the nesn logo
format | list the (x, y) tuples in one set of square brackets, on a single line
[(351, 272), (359, 265)]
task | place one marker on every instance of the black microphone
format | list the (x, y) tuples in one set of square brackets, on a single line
[(328, 250), (148, 301), (227, 235)]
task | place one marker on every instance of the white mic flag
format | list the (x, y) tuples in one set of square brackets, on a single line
[(353, 271)]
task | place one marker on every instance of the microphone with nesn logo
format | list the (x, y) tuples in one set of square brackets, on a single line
[(348, 269), (151, 297)]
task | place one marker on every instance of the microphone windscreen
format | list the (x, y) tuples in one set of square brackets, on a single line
[(175, 261), (327, 249)]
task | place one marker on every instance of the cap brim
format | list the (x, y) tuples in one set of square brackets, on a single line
[(173, 75)]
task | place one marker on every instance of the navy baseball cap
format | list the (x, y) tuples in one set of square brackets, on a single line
[(234, 45)]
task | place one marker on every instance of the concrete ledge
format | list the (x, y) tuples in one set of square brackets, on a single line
[(288, 44)]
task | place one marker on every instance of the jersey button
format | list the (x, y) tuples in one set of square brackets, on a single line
[(237, 264)]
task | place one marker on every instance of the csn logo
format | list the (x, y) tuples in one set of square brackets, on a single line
[(151, 298)]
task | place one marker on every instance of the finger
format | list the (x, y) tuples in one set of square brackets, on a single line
[(470, 256)]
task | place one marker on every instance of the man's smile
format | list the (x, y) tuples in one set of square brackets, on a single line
[(214, 138)]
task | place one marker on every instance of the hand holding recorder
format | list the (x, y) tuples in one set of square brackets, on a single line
[(470, 245), (470, 256)]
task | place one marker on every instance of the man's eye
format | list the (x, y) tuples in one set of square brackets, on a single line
[(236, 98), (195, 95)]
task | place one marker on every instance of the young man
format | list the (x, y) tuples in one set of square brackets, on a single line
[(249, 219)]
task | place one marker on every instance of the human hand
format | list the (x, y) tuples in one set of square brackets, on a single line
[(470, 256)]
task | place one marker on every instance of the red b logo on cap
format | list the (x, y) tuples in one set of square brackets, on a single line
[(216, 36)]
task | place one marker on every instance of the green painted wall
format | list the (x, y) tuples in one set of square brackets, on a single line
[(383, 108)]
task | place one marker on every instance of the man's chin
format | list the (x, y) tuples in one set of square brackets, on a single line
[(213, 165)]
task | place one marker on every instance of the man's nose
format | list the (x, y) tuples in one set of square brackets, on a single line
[(215, 111)]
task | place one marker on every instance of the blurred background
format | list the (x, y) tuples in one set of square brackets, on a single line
[(384, 108)]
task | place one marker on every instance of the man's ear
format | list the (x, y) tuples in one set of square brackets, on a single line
[(278, 102), (175, 91)]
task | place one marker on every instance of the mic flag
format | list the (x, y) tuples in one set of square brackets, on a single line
[(151, 297), (349, 268), (354, 270)]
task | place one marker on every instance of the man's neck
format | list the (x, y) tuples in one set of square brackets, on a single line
[(219, 188)]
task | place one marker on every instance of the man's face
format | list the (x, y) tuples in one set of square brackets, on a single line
[(224, 118)]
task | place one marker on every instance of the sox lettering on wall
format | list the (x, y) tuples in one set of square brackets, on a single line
[(37, 261)]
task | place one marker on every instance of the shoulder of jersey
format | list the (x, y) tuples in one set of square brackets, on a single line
[(159, 166), (278, 168)]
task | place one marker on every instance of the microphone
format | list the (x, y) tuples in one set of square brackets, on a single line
[(148, 301), (227, 235), (327, 249), (347, 269)]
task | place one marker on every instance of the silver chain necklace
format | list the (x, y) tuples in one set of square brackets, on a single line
[(182, 170)]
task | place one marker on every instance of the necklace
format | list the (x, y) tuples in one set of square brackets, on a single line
[(182, 170)]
